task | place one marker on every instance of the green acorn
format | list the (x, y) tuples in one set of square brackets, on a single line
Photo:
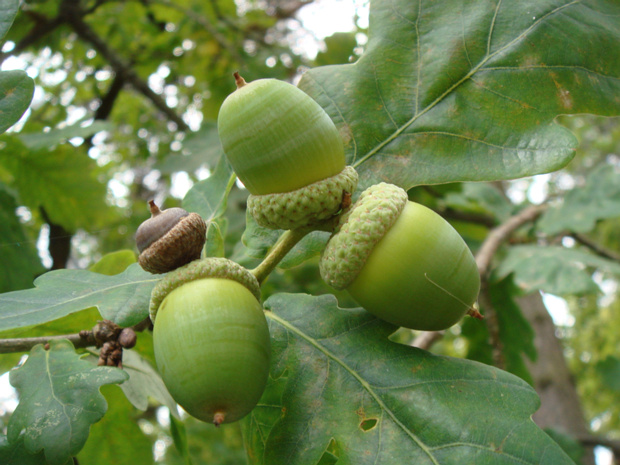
[(287, 152), (401, 261), (211, 339)]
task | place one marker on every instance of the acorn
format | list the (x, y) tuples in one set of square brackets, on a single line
[(401, 261), (169, 239), (211, 339), (287, 152)]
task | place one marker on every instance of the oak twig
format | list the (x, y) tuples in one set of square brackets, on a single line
[(485, 255)]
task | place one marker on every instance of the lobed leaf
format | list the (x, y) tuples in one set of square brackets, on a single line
[(340, 389), (582, 207), (123, 298), (59, 400), (8, 10), (556, 270), (16, 91), (209, 197), (468, 91)]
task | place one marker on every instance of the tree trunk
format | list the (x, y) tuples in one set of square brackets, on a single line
[(560, 404)]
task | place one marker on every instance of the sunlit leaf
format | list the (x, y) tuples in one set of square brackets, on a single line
[(59, 400), (582, 207), (556, 270), (16, 90), (117, 439), (15, 248), (209, 197), (454, 90), (123, 298), (338, 385), (8, 10)]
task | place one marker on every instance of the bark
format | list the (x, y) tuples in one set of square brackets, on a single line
[(560, 404)]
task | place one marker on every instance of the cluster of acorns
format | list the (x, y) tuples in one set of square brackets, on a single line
[(399, 260)]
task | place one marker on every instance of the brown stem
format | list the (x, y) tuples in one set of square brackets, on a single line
[(484, 257), (596, 248), (79, 340)]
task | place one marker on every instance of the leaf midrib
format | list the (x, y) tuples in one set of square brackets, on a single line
[(473, 71), (361, 380)]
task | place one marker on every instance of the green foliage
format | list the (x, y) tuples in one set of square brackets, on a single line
[(326, 396), (437, 98), (122, 298), (599, 199), (555, 270), (443, 92), (53, 415)]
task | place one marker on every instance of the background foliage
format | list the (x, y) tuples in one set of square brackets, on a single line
[(121, 100)]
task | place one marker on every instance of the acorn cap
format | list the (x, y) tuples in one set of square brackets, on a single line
[(211, 267), (358, 231), (169, 239), (306, 206)]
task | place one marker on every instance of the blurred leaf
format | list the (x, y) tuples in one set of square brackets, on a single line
[(117, 439), (556, 270), (310, 246), (144, 382), (123, 298), (49, 140), (339, 49), (19, 260), (215, 241), (582, 207), (114, 262), (199, 149), (16, 91), (62, 181), (515, 332), (570, 445), (609, 370), (179, 437), (383, 402), (209, 197), (8, 10), (480, 198), (15, 453), (256, 239), (452, 91), (59, 400)]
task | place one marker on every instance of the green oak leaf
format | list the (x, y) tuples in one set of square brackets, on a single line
[(63, 181), (15, 453), (209, 197), (47, 140), (8, 10), (515, 332), (468, 91), (16, 91), (609, 370), (582, 207), (383, 402), (19, 260), (123, 298), (199, 149), (144, 383), (556, 270), (117, 439), (59, 400)]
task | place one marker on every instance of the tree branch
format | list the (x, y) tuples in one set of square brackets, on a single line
[(79, 340), (596, 248), (124, 70), (484, 257), (42, 27)]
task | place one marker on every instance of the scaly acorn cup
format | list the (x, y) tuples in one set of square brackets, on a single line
[(401, 261), (170, 239), (287, 152), (211, 339)]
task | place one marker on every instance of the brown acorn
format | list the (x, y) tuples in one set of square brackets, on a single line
[(169, 239)]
